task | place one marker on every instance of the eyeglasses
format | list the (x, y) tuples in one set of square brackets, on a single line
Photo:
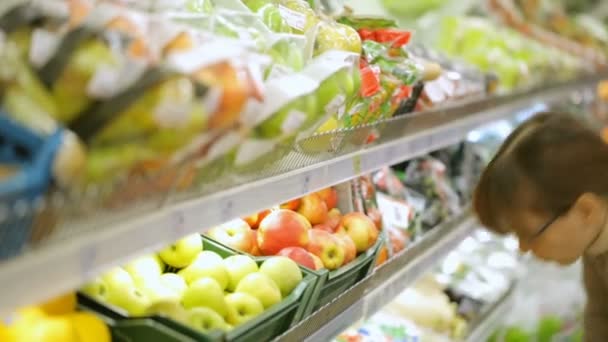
[(546, 226)]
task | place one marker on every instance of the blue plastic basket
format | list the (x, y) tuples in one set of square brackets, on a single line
[(33, 155)]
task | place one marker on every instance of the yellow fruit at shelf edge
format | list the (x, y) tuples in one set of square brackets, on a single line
[(6, 334), (46, 329), (60, 305), (29, 313), (329, 125), (90, 328)]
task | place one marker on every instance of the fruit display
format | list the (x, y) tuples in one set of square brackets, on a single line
[(387, 76), (137, 106), (550, 22), (156, 119), (320, 231), (311, 74), (199, 287), (310, 230), (54, 320), (515, 59)]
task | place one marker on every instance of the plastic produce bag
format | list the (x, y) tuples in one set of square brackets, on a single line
[(388, 76), (428, 177), (141, 105)]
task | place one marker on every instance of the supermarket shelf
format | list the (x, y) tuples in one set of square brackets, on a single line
[(381, 287), (492, 317), (86, 249)]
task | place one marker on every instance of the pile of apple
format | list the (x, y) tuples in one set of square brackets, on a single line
[(197, 287), (309, 230)]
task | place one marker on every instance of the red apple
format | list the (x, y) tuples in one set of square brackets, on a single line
[(280, 229), (261, 216), (350, 250), (397, 239), (329, 196), (313, 208), (334, 217), (255, 251), (382, 255), (323, 226), (361, 230), (235, 234), (327, 247), (318, 262), (376, 216), (292, 205), (299, 255), (252, 220), (340, 229)]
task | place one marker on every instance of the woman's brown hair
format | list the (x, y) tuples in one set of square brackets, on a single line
[(554, 158)]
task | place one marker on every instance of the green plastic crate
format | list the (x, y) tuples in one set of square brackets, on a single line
[(271, 323), (277, 319), (331, 284), (125, 329)]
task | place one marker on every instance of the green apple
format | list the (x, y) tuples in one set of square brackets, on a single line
[(182, 252), (155, 291), (274, 126), (287, 53), (132, 301), (174, 282), (242, 307), (355, 76), (330, 91), (272, 18), (261, 287), (284, 272), (117, 280), (255, 5), (299, 8), (295, 58), (516, 334), (145, 269), (548, 327), (205, 319), (292, 117), (200, 6), (238, 266), (345, 78), (170, 309), (205, 292), (96, 289), (206, 264)]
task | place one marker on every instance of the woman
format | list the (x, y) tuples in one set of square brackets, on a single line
[(548, 184)]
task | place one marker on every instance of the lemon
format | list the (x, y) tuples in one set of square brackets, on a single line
[(45, 329), (60, 305), (90, 328), (6, 334)]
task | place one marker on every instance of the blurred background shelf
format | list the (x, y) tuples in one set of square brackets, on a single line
[(80, 250), (492, 318)]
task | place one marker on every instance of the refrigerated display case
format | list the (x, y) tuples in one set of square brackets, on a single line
[(127, 126)]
